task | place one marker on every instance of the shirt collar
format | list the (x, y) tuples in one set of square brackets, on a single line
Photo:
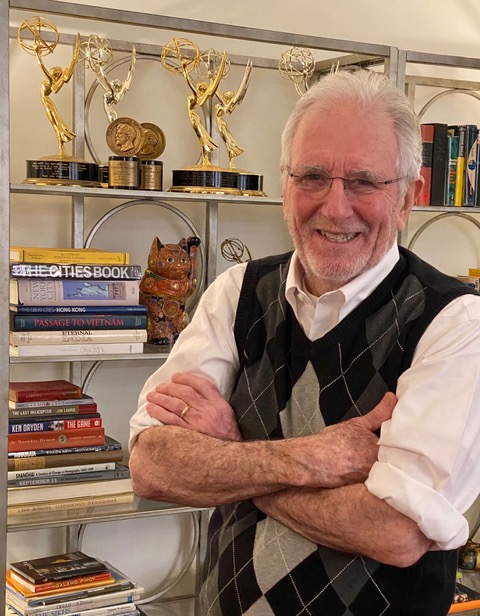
[(351, 294)]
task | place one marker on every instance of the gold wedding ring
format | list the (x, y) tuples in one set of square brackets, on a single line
[(184, 412)]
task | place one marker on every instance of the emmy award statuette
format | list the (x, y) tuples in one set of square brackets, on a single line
[(297, 65), (59, 168), (183, 57)]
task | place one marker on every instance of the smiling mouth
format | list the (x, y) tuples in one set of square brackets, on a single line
[(338, 237)]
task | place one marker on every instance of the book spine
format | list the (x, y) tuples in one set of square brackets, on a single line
[(426, 169), (68, 255), (77, 478), (53, 440), (89, 348), (43, 322), (54, 425), (75, 292), (71, 583), (62, 470), (72, 503), (83, 400), (80, 409), (44, 394), (77, 336), (78, 271), (439, 164), (20, 462), (469, 197), (460, 170), (79, 606), (134, 309), (452, 167)]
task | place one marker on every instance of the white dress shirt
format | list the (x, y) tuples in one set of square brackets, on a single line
[(429, 459)]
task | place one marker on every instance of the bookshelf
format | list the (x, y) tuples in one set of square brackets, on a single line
[(79, 200)]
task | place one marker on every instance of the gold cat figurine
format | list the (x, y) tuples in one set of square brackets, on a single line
[(166, 285)]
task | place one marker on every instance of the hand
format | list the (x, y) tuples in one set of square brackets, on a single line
[(193, 402), (343, 453)]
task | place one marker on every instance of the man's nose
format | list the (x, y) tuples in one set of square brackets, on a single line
[(337, 202)]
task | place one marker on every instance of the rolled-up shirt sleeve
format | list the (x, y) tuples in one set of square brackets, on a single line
[(428, 464), (206, 346)]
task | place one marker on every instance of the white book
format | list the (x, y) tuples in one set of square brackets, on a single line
[(107, 348), (70, 336), (61, 491), (60, 470)]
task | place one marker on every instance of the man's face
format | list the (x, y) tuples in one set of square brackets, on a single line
[(339, 235), (120, 136)]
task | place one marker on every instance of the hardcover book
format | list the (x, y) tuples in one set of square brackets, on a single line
[(76, 270), (110, 452), (84, 400), (427, 158), (88, 348), (104, 503), (35, 494), (83, 336), (48, 322), (68, 255), (75, 292), (52, 411), (460, 131), (25, 391), (60, 470), (91, 309), (57, 567), (28, 589), (110, 444), (119, 472), (54, 439), (55, 423)]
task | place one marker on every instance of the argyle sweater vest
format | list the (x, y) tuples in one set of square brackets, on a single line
[(289, 386)]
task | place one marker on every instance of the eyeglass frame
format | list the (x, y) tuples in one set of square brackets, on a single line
[(375, 184)]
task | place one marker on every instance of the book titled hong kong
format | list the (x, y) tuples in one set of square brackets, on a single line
[(33, 291)]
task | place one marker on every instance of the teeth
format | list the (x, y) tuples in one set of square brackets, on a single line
[(338, 237)]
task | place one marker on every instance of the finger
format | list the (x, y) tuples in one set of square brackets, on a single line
[(200, 384), (171, 404), (383, 411), (164, 416)]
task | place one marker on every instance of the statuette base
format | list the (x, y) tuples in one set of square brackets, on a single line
[(62, 171), (210, 179)]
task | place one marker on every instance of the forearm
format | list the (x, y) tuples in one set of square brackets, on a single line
[(183, 466), (348, 519)]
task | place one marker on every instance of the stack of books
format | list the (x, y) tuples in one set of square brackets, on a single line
[(74, 302), (59, 455), (71, 583)]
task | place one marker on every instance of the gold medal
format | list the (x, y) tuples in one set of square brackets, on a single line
[(125, 137), (154, 141)]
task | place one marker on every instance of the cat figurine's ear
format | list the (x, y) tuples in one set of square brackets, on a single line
[(153, 254), (183, 244)]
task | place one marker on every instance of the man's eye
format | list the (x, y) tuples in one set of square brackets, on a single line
[(362, 183), (314, 177)]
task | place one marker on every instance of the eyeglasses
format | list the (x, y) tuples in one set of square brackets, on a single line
[(319, 183)]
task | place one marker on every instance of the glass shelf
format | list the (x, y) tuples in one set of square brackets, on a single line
[(139, 508), (150, 351), (112, 193)]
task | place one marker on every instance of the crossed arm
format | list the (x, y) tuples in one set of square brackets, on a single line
[(313, 485)]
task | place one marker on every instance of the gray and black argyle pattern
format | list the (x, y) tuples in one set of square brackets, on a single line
[(289, 386)]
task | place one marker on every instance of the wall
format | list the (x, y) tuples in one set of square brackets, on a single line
[(160, 97)]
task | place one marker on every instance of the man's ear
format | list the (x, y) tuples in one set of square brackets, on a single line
[(409, 200)]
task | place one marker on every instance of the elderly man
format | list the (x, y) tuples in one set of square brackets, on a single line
[(269, 406)]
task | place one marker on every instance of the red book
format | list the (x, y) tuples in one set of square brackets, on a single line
[(27, 588), (427, 160), (23, 391), (52, 439)]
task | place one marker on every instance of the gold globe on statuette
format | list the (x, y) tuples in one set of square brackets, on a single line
[(297, 65), (35, 36), (203, 73)]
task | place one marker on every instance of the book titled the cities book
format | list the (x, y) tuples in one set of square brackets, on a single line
[(33, 291), (57, 567), (75, 270)]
